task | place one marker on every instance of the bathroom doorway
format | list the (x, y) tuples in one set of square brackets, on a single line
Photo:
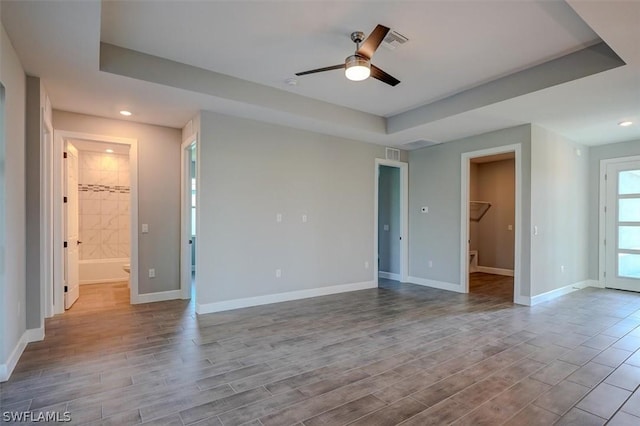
[(99, 198)]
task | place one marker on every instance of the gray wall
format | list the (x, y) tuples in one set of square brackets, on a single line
[(389, 215), (559, 209), (12, 201), (494, 182), (158, 192), (596, 154), (33, 171), (248, 173), (434, 176)]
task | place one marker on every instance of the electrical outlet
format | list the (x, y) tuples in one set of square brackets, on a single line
[(278, 273), (562, 269), (386, 227), (304, 218), (152, 273), (510, 228), (366, 264), (279, 217), (431, 264)]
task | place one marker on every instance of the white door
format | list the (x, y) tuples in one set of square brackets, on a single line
[(622, 233), (72, 279)]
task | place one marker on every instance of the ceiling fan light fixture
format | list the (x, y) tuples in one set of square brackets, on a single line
[(357, 68)]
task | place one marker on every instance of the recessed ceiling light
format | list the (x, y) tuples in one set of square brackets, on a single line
[(109, 150), (625, 123), (125, 113)]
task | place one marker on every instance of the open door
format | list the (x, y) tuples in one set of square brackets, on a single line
[(622, 238), (188, 218), (72, 279)]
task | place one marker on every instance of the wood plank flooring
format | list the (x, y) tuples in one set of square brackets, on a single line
[(491, 285), (399, 354)]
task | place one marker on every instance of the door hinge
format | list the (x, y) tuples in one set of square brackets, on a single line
[(605, 209), (604, 242), (605, 176), (604, 274), (64, 155), (64, 199), (65, 289), (64, 244)]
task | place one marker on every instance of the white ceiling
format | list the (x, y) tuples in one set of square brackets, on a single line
[(452, 46)]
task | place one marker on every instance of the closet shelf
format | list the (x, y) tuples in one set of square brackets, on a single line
[(477, 209)]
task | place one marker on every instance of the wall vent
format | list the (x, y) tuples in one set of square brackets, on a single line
[(392, 154), (393, 40)]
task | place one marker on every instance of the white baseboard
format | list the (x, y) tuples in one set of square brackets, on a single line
[(549, 295), (228, 305), (160, 296), (389, 275), (31, 335), (110, 280), (495, 271), (436, 284)]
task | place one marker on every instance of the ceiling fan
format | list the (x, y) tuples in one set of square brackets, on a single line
[(358, 66)]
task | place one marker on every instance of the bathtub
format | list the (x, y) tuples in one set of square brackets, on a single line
[(93, 271)]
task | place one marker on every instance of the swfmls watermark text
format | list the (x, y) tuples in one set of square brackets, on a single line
[(35, 417)]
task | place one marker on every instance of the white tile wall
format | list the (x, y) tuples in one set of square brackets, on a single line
[(104, 205)]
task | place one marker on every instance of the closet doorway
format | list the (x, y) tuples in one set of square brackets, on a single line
[(490, 231)]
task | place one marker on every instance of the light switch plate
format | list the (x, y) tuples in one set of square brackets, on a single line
[(145, 228)]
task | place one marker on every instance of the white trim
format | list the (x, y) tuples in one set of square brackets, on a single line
[(442, 285), (495, 271), (186, 268), (404, 216), (31, 335), (465, 161), (602, 231), (160, 296), (553, 294), (58, 219), (281, 297), (389, 275)]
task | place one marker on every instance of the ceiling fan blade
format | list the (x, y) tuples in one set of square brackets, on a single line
[(333, 67), (378, 74), (370, 45)]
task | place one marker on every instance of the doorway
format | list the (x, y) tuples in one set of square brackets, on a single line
[(621, 220), (188, 246), (490, 226), (95, 216), (391, 221)]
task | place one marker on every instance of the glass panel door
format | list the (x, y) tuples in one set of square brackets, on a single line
[(622, 243)]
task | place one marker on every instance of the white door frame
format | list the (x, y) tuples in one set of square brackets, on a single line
[(58, 211), (464, 216), (602, 216), (185, 214), (404, 217)]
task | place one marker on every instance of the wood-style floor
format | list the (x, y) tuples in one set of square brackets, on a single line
[(491, 285), (397, 354)]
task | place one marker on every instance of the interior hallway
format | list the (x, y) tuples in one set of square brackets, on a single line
[(399, 353)]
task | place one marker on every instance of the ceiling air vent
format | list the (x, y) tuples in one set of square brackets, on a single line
[(393, 40), (392, 154)]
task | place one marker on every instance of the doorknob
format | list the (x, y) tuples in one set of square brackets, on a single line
[(78, 242), (190, 241)]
